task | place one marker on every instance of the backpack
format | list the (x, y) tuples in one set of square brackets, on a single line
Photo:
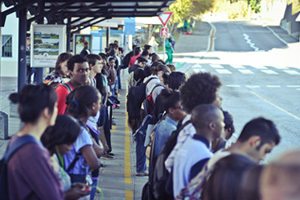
[(126, 60), (13, 148), (149, 103), (162, 179), (135, 98)]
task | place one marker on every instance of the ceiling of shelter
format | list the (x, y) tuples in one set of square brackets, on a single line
[(79, 13)]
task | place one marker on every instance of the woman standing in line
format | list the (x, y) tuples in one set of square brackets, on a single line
[(56, 77), (82, 102), (58, 139), (30, 174)]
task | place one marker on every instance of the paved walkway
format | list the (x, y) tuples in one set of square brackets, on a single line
[(117, 178)]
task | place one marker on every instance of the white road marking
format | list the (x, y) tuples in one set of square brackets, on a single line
[(236, 86), (259, 67), (273, 86), (253, 86), (245, 71), (223, 71), (283, 41), (293, 86), (269, 71), (216, 66), (238, 66), (252, 45), (292, 72), (197, 66), (197, 70)]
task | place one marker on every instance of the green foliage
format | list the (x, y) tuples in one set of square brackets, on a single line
[(185, 9), (255, 5), (234, 10)]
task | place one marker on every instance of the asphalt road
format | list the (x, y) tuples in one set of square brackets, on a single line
[(244, 36), (260, 76)]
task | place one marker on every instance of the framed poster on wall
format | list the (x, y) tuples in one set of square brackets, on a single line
[(78, 42), (47, 42)]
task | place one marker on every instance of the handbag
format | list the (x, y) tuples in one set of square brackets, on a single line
[(111, 100)]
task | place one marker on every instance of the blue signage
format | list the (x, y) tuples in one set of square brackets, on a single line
[(129, 26)]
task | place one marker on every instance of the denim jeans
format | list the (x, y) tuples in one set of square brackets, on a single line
[(140, 153), (103, 121)]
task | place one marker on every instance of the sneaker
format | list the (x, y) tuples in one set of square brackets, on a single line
[(142, 173), (106, 156), (110, 153)]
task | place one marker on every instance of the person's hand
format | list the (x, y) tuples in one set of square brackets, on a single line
[(77, 191), (79, 185)]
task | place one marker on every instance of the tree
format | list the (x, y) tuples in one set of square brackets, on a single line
[(185, 9), (255, 5)]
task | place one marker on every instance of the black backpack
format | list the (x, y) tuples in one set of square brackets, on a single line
[(126, 60), (13, 148), (162, 179), (135, 98)]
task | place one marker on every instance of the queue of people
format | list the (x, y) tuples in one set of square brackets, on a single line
[(180, 126), (183, 134)]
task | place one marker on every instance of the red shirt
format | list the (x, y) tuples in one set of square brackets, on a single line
[(133, 59), (62, 93)]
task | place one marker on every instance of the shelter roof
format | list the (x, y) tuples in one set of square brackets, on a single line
[(80, 13)]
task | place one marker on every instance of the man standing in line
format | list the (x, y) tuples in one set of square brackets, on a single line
[(208, 121), (85, 51), (79, 69)]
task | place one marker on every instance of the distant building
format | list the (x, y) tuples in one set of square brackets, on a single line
[(9, 46)]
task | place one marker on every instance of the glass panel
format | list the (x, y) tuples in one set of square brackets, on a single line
[(6, 46)]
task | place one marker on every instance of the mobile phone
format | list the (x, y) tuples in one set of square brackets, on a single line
[(87, 189)]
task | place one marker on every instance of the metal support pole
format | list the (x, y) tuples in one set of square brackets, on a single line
[(69, 35), (22, 48), (107, 36), (164, 48), (39, 71)]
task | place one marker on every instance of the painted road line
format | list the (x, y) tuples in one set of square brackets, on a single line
[(246, 71), (127, 164), (283, 41), (223, 71), (259, 67), (197, 70), (293, 86), (248, 40), (238, 66), (113, 128), (273, 86), (252, 86), (269, 71), (292, 72), (128, 194), (197, 66), (236, 86), (279, 108), (216, 66), (280, 67)]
